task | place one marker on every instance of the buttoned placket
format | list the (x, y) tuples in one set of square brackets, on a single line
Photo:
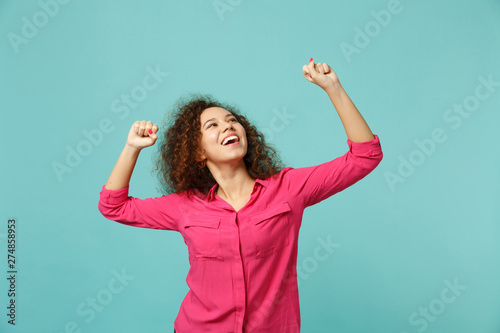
[(239, 271)]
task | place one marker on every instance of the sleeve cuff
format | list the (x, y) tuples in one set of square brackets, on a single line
[(369, 148), (114, 196)]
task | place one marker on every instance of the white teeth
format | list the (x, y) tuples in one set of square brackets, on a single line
[(229, 138)]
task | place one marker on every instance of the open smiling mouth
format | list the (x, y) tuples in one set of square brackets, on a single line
[(231, 141)]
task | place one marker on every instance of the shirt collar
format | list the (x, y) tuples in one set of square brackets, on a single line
[(213, 191)]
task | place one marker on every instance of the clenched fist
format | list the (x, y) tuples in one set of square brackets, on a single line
[(142, 134), (320, 74)]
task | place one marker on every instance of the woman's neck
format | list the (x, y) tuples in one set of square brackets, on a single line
[(233, 183)]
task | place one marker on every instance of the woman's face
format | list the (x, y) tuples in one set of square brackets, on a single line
[(216, 125)]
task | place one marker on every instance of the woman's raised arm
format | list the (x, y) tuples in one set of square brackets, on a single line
[(142, 134), (355, 126)]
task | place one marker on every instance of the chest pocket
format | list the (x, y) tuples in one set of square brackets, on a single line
[(203, 235), (271, 229)]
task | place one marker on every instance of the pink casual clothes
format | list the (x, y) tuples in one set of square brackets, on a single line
[(243, 275)]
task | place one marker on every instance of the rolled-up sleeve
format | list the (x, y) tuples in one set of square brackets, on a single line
[(313, 184), (154, 213)]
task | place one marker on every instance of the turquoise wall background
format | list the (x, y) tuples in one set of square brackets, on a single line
[(416, 243)]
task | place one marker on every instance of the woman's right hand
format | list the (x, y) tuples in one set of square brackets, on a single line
[(139, 136)]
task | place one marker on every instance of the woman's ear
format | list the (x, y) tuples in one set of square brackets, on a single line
[(200, 156), (201, 159)]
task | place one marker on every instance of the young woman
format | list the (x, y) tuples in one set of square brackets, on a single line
[(238, 210)]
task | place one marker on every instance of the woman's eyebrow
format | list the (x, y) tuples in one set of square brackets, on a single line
[(227, 115)]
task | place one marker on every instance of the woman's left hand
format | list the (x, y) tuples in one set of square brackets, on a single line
[(320, 74)]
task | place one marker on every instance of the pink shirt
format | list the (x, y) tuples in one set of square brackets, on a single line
[(243, 275)]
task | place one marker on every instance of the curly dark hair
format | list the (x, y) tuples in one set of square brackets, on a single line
[(180, 172)]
